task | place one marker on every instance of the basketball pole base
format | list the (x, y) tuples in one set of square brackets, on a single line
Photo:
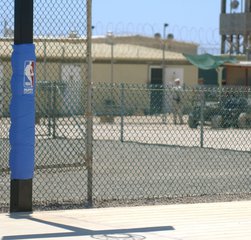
[(21, 195)]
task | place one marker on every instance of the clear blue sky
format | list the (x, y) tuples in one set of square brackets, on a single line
[(190, 20)]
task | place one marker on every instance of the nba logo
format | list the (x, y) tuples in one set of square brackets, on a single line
[(29, 75)]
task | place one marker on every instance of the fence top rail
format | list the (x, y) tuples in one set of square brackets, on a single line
[(160, 86)]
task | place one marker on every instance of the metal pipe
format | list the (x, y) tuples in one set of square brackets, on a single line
[(223, 6), (122, 103), (89, 115), (202, 107), (163, 70), (247, 6), (163, 52)]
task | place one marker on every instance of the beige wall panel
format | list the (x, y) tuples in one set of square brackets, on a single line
[(101, 73), (7, 73), (190, 75), (7, 70), (137, 73), (126, 73), (49, 71), (237, 76), (132, 73)]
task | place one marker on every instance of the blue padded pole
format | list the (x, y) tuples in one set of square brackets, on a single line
[(22, 112), (22, 109)]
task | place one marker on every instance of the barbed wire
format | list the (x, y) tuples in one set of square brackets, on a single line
[(209, 36), (208, 39)]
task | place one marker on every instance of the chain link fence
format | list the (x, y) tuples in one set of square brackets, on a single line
[(132, 141), (139, 151), (61, 41), (142, 151)]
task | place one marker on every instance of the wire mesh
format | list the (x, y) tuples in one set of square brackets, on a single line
[(138, 141), (139, 152), (142, 151), (60, 38), (60, 175)]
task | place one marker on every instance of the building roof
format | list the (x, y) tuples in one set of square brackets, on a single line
[(133, 52), (75, 49), (243, 64), (153, 42)]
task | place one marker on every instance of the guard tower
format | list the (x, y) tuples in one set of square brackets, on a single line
[(235, 26)]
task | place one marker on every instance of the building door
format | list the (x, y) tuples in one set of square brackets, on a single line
[(71, 77), (156, 90), (171, 74)]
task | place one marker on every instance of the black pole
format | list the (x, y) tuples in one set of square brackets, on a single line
[(23, 32), (21, 189)]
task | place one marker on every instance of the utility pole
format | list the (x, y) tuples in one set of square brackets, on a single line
[(22, 109), (163, 52)]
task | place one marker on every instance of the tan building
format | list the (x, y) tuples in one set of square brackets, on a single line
[(131, 63), (238, 74), (64, 61)]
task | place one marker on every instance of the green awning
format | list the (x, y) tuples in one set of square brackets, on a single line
[(208, 61)]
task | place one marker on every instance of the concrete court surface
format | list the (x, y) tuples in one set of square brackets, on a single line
[(211, 221)]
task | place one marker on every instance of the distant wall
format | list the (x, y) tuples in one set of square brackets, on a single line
[(238, 76)]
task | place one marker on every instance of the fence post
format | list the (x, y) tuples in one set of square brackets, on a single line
[(202, 105), (89, 115), (122, 107), (50, 107), (54, 107), (1, 90)]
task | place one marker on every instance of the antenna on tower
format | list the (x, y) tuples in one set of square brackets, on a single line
[(4, 27), (7, 31)]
